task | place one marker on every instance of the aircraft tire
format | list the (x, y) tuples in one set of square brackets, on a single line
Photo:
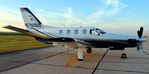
[(89, 50), (80, 59), (123, 56)]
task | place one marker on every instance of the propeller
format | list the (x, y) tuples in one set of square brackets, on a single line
[(140, 32), (139, 43)]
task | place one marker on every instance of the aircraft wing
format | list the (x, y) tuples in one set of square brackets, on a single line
[(83, 43)]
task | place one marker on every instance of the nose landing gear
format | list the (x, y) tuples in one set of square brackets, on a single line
[(123, 56), (89, 50)]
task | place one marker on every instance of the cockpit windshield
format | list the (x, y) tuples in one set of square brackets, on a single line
[(100, 31)]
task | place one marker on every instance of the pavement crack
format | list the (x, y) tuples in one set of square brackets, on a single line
[(99, 62), (146, 53), (125, 71)]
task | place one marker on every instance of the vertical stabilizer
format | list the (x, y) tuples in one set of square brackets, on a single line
[(30, 19)]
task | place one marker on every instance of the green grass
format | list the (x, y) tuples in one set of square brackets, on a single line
[(15, 41)]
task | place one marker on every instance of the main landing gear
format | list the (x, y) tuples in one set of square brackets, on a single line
[(80, 53)]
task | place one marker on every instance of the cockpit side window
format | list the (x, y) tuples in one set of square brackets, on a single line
[(94, 32)]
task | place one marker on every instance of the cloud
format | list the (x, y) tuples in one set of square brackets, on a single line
[(111, 7), (69, 9), (114, 3), (68, 17)]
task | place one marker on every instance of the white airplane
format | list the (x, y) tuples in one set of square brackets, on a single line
[(77, 37)]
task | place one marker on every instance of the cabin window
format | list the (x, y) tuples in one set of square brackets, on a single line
[(68, 31), (60, 31), (84, 31), (76, 31)]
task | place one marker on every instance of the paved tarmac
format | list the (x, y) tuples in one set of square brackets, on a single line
[(58, 60)]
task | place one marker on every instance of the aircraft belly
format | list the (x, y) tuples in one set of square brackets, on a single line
[(107, 44)]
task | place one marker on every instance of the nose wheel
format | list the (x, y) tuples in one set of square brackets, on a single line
[(123, 56), (89, 50)]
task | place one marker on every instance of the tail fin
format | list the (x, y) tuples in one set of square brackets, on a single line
[(30, 19)]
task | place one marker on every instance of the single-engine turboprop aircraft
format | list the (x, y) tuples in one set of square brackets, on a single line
[(77, 37)]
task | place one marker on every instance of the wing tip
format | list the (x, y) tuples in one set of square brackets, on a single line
[(7, 26)]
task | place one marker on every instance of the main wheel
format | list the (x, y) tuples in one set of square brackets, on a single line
[(80, 59), (123, 56), (89, 50)]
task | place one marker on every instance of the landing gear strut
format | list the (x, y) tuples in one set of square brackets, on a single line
[(123, 56), (80, 54), (89, 50)]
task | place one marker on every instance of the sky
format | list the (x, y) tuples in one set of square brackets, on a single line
[(118, 16)]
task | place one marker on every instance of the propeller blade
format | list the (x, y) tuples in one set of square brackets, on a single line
[(140, 32), (140, 47)]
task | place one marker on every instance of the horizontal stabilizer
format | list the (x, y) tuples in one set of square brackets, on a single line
[(25, 32)]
